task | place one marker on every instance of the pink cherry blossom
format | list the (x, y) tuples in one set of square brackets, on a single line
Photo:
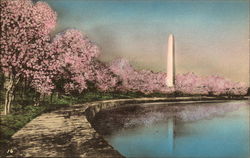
[(76, 54), (139, 80)]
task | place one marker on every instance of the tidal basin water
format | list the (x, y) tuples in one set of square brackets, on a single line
[(201, 130)]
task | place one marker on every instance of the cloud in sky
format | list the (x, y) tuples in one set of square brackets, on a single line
[(211, 35)]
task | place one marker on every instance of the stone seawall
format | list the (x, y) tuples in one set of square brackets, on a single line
[(95, 107), (67, 132)]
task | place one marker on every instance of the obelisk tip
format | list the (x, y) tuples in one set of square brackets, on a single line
[(171, 35)]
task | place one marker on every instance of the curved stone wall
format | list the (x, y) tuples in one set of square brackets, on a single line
[(95, 107)]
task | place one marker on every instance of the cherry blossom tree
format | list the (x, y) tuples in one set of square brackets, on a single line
[(190, 83), (104, 78), (24, 44), (79, 66), (218, 85)]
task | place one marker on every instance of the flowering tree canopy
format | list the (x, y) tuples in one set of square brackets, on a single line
[(76, 54), (105, 79), (192, 84), (78, 62), (139, 80), (24, 33)]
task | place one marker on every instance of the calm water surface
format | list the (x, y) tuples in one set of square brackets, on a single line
[(220, 131)]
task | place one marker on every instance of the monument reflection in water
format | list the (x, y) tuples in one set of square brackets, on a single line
[(217, 131)]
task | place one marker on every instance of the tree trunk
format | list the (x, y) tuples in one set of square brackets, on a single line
[(44, 97), (51, 98), (38, 99), (22, 91), (9, 85), (7, 101)]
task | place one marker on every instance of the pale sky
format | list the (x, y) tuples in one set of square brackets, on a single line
[(211, 35)]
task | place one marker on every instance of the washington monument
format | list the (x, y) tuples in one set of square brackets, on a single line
[(170, 61)]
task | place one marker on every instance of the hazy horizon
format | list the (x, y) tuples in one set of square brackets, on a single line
[(212, 37)]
